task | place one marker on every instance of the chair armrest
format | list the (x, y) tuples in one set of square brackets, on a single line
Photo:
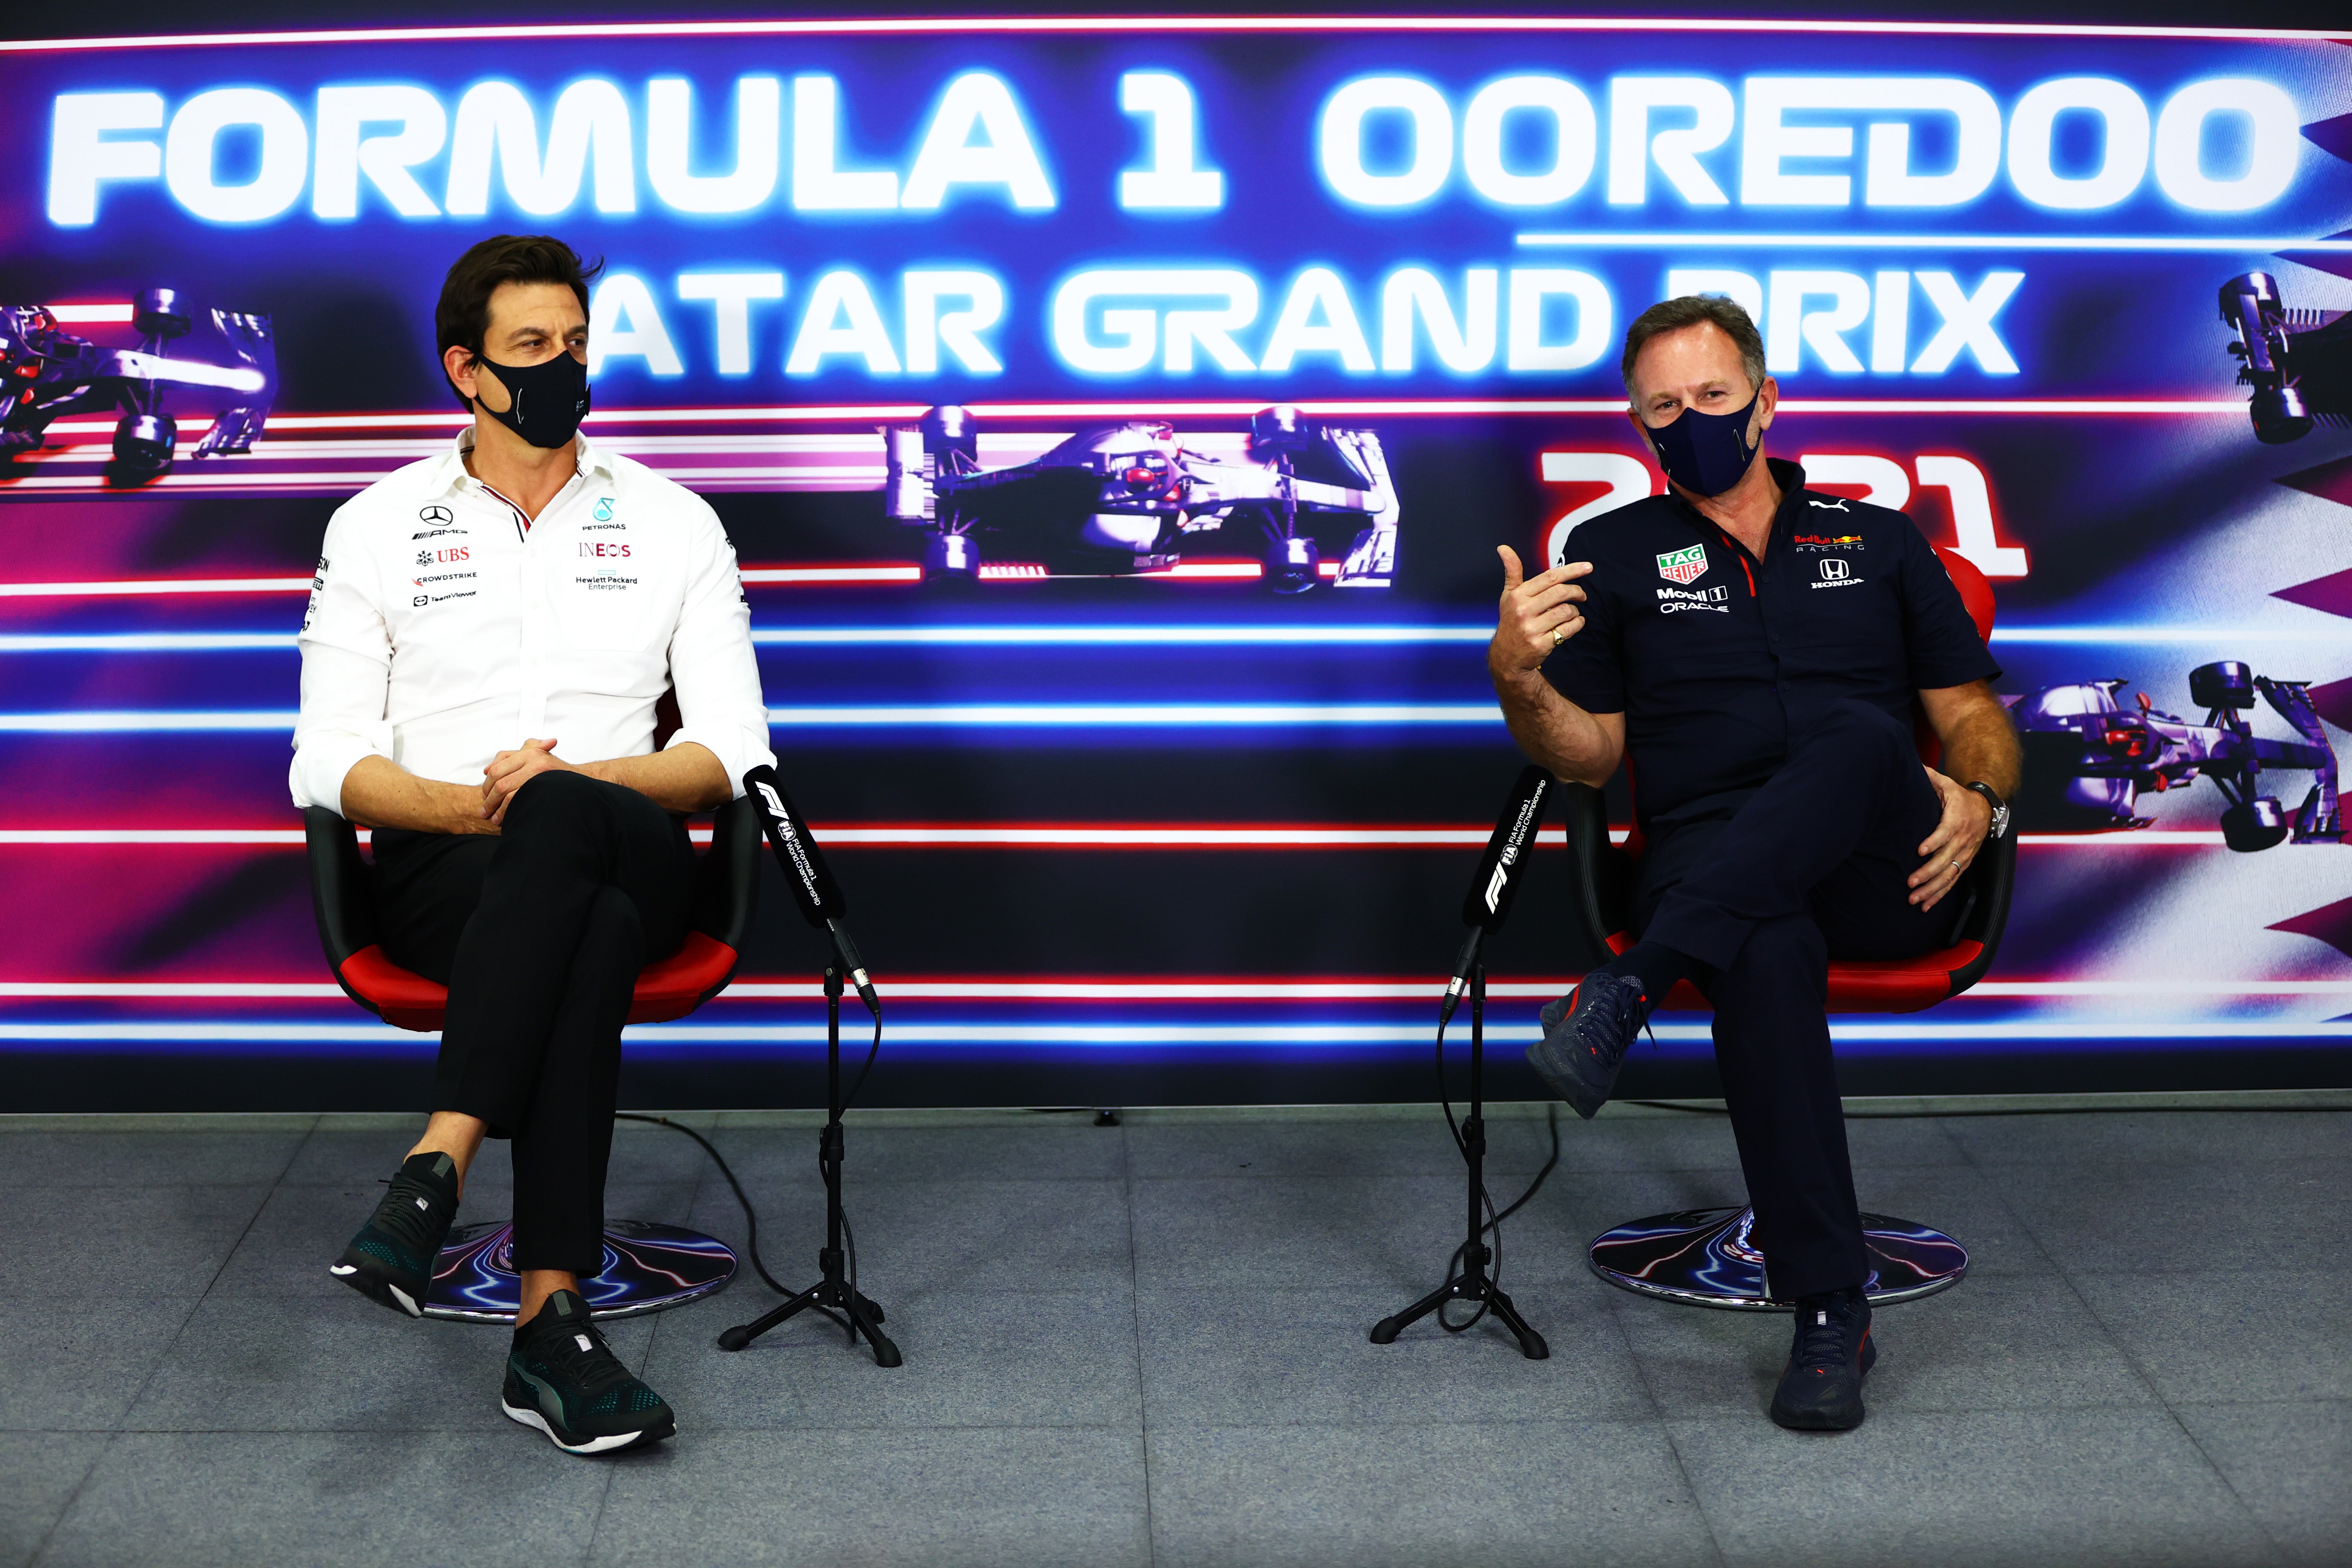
[(727, 882), (343, 886), (1989, 884), (1598, 878)]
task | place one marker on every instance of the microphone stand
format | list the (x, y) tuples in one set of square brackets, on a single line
[(1473, 1283), (834, 1288)]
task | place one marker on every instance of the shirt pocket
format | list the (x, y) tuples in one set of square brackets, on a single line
[(609, 592)]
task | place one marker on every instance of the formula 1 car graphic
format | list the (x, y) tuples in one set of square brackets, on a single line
[(1136, 497), (2087, 757), (2299, 363), (48, 371)]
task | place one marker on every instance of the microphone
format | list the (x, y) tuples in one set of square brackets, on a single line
[(1488, 901), (821, 901)]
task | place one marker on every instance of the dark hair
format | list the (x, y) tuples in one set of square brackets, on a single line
[(463, 317), (1689, 310)]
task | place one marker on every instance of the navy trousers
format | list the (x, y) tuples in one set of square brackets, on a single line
[(1813, 867), (540, 933)]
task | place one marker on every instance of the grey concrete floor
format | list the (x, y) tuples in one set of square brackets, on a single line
[(1146, 1344)]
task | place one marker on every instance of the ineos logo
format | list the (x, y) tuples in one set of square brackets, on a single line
[(1833, 569), (436, 514)]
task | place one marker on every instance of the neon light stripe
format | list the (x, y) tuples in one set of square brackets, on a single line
[(1021, 635), (1299, 1036), (102, 722), (2259, 243), (156, 586), (93, 315), (1112, 636), (1128, 715), (755, 576), (146, 642), (1612, 407), (1080, 835), (2099, 637), (1185, 991), (887, 26)]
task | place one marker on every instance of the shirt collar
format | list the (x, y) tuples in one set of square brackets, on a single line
[(448, 472)]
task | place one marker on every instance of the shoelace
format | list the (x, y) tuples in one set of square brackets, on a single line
[(1619, 1001), (1821, 1336), (583, 1356), (408, 1211)]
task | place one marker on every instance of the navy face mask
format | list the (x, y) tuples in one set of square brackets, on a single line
[(550, 398), (1707, 454)]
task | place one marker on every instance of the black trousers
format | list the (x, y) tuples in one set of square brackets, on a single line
[(540, 933), (1813, 867)]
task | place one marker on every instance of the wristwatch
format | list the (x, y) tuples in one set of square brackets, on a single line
[(1999, 808)]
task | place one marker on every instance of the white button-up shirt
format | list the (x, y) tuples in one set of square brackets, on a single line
[(443, 629)]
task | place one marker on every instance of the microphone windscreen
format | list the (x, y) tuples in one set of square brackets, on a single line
[(1504, 863), (813, 885)]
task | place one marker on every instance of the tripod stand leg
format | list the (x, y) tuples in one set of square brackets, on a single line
[(865, 1318), (743, 1334), (1385, 1331), (1531, 1344)]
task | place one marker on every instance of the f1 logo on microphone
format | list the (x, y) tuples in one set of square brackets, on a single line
[(1495, 887), (775, 805)]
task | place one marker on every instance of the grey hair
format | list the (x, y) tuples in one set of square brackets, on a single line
[(1689, 310)]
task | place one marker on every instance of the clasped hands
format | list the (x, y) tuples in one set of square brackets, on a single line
[(509, 770)]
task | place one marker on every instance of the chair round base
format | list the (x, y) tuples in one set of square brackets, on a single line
[(1704, 1257), (648, 1267)]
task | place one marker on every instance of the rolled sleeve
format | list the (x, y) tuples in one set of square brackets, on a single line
[(712, 665), (1941, 644), (346, 673)]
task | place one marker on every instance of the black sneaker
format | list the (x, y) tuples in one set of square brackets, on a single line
[(564, 1380), (391, 1259), (1821, 1388), (1586, 1036)]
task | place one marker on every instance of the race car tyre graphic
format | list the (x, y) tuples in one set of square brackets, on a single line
[(2279, 416), (144, 443), (159, 313), (2256, 825), (2226, 684)]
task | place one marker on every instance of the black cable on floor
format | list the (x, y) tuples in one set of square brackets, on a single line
[(750, 1215)]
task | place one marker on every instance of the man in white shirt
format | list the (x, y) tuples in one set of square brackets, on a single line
[(488, 638)]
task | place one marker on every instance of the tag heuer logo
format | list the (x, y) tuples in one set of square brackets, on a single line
[(1684, 566)]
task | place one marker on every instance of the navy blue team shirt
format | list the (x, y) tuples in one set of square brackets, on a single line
[(1718, 660)]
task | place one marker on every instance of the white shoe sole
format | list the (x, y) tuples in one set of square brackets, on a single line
[(400, 1297), (593, 1445)]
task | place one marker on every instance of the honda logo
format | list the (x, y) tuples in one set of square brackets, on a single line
[(1833, 569)]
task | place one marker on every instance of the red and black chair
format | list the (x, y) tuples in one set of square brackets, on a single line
[(1708, 1256), (648, 1266)]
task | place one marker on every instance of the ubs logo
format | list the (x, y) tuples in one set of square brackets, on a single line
[(1833, 568), (436, 514)]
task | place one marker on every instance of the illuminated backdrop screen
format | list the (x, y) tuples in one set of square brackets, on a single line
[(1154, 769)]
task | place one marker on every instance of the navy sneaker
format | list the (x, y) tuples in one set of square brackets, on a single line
[(1586, 1036), (563, 1379), (391, 1259), (1821, 1388)]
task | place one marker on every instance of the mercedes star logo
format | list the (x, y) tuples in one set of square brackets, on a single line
[(436, 514)]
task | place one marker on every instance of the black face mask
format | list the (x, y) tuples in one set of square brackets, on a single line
[(548, 399)]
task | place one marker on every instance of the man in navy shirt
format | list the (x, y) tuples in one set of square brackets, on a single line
[(1756, 653)]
